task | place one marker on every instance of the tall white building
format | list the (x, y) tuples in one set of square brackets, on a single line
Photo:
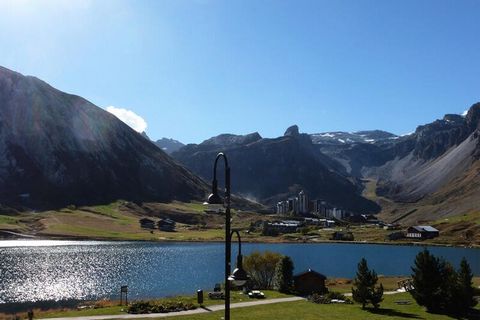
[(302, 202)]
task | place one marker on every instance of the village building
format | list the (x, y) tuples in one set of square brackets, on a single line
[(309, 282), (147, 223), (302, 203), (166, 225), (395, 236), (282, 207), (286, 226), (342, 236), (422, 232)]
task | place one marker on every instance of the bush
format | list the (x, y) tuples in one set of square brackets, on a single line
[(319, 298), (336, 295), (283, 280), (142, 307), (327, 298), (261, 268)]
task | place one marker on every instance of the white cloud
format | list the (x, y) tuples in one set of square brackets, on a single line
[(465, 113), (132, 119)]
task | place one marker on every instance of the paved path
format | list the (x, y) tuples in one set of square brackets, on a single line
[(182, 313)]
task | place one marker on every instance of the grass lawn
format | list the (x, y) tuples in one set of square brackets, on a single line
[(111, 307), (306, 310)]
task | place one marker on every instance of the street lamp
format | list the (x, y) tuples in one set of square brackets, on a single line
[(239, 276)]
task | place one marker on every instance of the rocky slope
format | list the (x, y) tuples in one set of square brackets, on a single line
[(433, 172), (269, 170), (57, 149), (440, 152), (169, 145)]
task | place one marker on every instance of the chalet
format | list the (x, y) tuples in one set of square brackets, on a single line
[(343, 236), (422, 232), (147, 223), (396, 235), (309, 282), (166, 225)]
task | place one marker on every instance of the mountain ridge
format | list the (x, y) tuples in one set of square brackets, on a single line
[(59, 149)]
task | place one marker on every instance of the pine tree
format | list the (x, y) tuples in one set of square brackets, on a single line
[(364, 290), (377, 296), (283, 281), (465, 286), (428, 278)]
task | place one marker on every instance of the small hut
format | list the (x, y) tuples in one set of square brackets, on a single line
[(309, 282)]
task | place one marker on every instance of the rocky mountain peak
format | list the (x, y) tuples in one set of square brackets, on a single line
[(232, 139), (292, 131), (473, 117), (454, 118)]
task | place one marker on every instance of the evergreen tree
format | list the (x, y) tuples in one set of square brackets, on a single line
[(283, 281), (427, 280), (465, 286), (364, 290), (438, 287), (377, 296)]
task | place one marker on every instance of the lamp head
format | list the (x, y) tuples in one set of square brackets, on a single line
[(214, 198), (239, 276)]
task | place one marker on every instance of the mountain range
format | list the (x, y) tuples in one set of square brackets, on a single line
[(58, 149), (426, 175), (269, 170)]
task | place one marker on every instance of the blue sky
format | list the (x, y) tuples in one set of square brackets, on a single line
[(195, 69)]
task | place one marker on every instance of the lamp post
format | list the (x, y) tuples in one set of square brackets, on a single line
[(239, 276)]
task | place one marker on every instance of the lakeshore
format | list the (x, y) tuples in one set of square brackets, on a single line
[(119, 221), (86, 270)]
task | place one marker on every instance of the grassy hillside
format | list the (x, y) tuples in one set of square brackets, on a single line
[(120, 221), (457, 227)]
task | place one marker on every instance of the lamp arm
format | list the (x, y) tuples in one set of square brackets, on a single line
[(227, 176), (239, 240)]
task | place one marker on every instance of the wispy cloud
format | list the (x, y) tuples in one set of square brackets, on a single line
[(464, 113), (132, 119)]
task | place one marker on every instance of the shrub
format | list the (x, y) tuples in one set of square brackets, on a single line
[(283, 280), (319, 298), (142, 307), (336, 295), (327, 298), (261, 268)]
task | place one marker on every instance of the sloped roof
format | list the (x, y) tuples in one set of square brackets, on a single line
[(311, 272), (425, 228)]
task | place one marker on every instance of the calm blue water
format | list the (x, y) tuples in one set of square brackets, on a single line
[(35, 270)]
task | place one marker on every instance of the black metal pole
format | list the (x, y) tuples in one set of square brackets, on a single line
[(228, 243), (228, 240)]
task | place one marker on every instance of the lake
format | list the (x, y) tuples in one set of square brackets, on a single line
[(41, 270)]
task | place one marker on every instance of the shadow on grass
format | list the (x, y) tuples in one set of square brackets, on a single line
[(393, 313), (472, 314)]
